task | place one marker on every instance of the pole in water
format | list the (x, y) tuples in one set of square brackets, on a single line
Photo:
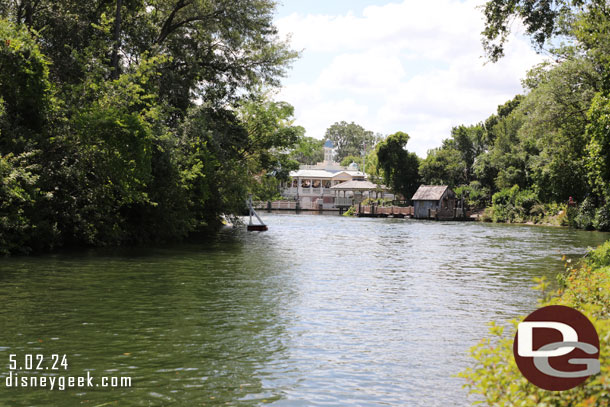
[(251, 226)]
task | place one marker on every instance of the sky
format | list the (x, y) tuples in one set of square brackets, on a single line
[(413, 66)]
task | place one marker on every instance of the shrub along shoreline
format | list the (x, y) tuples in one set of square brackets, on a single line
[(494, 376), (515, 205)]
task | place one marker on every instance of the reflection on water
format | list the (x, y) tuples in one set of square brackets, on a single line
[(320, 310)]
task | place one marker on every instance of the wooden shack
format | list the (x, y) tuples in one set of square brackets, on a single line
[(434, 202)]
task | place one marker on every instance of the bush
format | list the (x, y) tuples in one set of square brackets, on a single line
[(495, 375), (377, 201), (475, 195), (572, 213), (563, 217), (525, 200), (350, 212), (487, 215), (599, 257), (602, 218), (586, 214), (503, 204), (513, 205), (538, 211), (266, 188), (18, 194), (553, 213)]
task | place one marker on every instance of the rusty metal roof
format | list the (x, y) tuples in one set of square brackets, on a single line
[(429, 192)]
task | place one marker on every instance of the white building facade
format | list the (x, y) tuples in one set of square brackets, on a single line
[(311, 184)]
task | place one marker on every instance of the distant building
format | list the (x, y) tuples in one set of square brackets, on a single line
[(329, 151), (311, 184), (353, 192), (434, 201)]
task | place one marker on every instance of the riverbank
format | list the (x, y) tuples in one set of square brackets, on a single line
[(495, 376), (544, 215), (524, 206)]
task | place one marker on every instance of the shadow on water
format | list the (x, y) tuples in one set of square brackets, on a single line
[(191, 324), (319, 310)]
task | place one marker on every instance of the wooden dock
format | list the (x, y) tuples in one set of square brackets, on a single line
[(374, 211), (293, 206)]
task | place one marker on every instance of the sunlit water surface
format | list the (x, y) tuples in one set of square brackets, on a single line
[(318, 311)]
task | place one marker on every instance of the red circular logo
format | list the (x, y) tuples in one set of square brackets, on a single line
[(556, 348)]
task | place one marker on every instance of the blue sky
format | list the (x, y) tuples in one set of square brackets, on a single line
[(412, 66)]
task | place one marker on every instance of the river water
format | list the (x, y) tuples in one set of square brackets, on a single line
[(318, 311)]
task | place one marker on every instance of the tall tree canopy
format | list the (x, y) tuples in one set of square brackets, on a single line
[(399, 166), (350, 139), (135, 121), (550, 144), (213, 47), (309, 151)]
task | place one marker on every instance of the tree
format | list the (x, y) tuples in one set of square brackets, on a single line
[(470, 141), (371, 166), (585, 23), (129, 122), (214, 48), (542, 21), (400, 167), (18, 196), (349, 139), (271, 136), (352, 159), (443, 166), (554, 132), (598, 163), (308, 151), (26, 92)]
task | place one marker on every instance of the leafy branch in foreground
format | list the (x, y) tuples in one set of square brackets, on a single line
[(495, 377)]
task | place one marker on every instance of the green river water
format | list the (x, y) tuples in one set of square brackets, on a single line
[(318, 311)]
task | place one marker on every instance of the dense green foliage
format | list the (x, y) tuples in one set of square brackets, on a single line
[(552, 143), (496, 378), (351, 159), (127, 122), (474, 194), (350, 139), (372, 168), (308, 151), (515, 205), (399, 166)]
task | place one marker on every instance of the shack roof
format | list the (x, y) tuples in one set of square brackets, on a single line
[(358, 186), (429, 192)]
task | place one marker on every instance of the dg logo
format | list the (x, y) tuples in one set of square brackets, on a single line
[(556, 348)]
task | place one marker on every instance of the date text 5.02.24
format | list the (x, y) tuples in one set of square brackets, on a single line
[(31, 361)]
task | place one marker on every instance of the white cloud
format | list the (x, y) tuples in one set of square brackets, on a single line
[(412, 66), (365, 72)]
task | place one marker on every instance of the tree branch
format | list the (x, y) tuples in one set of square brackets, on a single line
[(169, 27), (165, 29)]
